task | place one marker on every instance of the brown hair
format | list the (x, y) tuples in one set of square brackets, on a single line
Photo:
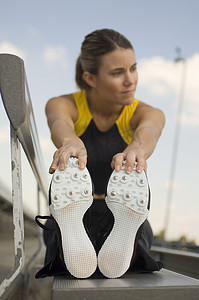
[(94, 46)]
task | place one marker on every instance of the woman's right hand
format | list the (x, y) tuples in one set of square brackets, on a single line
[(71, 147)]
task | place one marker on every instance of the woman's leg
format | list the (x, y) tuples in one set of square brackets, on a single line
[(142, 261)]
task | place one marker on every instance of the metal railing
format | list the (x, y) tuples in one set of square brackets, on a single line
[(183, 262), (23, 132)]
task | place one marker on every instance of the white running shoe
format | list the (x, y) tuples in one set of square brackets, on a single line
[(71, 196), (128, 199)]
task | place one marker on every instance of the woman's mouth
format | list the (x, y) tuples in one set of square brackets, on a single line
[(129, 92)]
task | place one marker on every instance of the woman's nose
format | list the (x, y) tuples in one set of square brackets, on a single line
[(130, 79)]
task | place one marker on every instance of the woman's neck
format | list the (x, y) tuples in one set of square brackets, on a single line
[(100, 106)]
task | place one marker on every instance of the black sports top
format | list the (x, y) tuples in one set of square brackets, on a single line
[(102, 146)]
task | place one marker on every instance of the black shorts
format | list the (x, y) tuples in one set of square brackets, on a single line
[(98, 222)]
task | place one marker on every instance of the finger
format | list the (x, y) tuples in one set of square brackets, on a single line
[(63, 158), (52, 169), (141, 163), (82, 156), (145, 166), (56, 154), (117, 161), (54, 164), (130, 162)]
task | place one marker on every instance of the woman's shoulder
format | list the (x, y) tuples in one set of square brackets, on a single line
[(146, 111), (61, 99), (62, 104), (68, 98)]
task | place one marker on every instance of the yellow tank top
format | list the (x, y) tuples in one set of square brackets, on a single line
[(102, 146), (123, 122)]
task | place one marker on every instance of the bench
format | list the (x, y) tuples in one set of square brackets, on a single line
[(158, 285)]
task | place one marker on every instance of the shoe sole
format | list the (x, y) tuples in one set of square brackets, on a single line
[(127, 198), (71, 196)]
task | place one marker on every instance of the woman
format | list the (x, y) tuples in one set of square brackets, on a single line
[(101, 128)]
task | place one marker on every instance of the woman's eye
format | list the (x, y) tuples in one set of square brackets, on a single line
[(133, 68), (116, 73)]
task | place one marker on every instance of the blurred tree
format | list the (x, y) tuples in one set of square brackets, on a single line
[(160, 235)]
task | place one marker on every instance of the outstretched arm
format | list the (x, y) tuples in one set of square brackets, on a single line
[(147, 123), (61, 114)]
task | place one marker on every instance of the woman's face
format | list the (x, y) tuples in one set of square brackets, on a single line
[(117, 77)]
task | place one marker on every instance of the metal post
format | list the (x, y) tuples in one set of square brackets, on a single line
[(18, 221), (176, 142)]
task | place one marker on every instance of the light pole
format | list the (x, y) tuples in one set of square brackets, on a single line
[(176, 140)]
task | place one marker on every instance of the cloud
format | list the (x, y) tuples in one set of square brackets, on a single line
[(162, 79), (7, 47), (46, 144), (157, 75), (4, 134), (190, 118), (56, 55), (174, 184)]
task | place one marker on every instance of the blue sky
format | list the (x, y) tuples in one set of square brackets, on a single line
[(48, 36)]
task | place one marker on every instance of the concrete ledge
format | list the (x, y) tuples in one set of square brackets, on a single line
[(182, 262), (162, 285)]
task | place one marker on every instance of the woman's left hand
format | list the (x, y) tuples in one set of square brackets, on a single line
[(131, 154)]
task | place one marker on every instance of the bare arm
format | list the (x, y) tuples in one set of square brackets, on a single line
[(147, 123), (61, 114)]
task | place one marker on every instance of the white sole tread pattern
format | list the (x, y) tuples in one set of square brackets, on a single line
[(127, 198), (71, 196)]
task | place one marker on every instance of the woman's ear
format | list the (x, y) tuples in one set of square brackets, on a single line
[(90, 79)]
